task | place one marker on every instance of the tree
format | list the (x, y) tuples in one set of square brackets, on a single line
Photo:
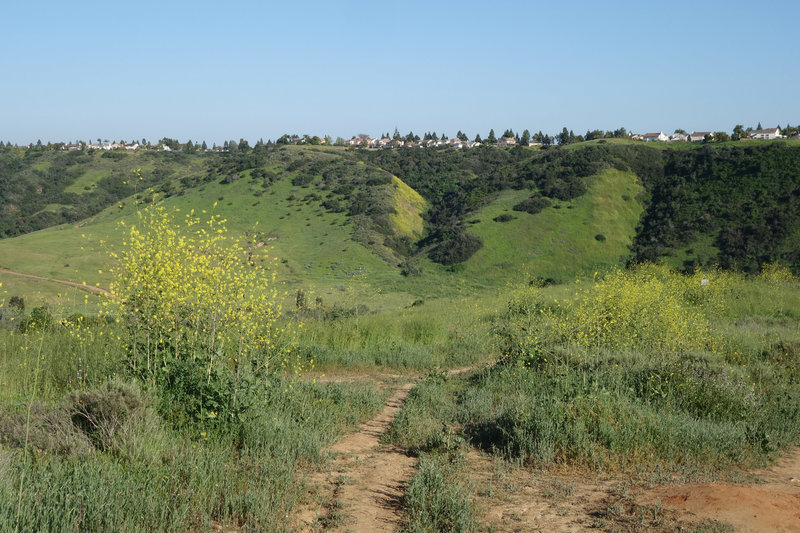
[(759, 126), (681, 131), (491, 139), (563, 137), (461, 136), (478, 138), (526, 138), (204, 146), (721, 136), (738, 132), (594, 134)]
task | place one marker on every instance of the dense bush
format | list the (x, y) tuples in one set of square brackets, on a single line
[(202, 321), (745, 200), (456, 248), (532, 205)]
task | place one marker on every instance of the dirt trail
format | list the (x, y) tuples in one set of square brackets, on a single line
[(367, 477), (81, 286)]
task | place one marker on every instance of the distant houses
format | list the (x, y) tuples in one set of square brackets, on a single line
[(385, 142), (699, 136), (506, 141), (766, 134), (653, 137)]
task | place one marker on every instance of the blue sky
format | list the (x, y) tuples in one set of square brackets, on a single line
[(217, 71)]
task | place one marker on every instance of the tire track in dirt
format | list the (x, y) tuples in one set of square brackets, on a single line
[(368, 477), (81, 286)]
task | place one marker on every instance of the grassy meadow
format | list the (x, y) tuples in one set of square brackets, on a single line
[(203, 393)]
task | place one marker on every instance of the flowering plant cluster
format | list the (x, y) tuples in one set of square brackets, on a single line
[(200, 308)]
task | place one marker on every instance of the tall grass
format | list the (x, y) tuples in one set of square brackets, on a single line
[(438, 498), (637, 369), (66, 463), (133, 471), (444, 333)]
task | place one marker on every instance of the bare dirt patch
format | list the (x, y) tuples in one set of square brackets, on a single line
[(517, 499), (771, 505)]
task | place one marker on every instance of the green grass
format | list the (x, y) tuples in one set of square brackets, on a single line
[(731, 401), (54, 208), (442, 333), (558, 242), (133, 467), (88, 181)]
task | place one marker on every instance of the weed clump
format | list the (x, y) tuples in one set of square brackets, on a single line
[(201, 313)]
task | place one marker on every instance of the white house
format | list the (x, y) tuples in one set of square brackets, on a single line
[(653, 137), (699, 136), (678, 137), (506, 141), (768, 133)]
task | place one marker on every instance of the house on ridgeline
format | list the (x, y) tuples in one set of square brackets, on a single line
[(653, 137), (766, 134), (699, 136), (506, 141)]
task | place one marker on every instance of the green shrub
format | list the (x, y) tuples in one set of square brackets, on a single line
[(435, 501), (533, 205), (505, 217)]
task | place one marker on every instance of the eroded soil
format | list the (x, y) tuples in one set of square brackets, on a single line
[(361, 491)]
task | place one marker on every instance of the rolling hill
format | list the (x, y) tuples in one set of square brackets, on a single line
[(396, 225)]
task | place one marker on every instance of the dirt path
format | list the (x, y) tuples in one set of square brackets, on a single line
[(81, 286), (362, 491), (367, 478)]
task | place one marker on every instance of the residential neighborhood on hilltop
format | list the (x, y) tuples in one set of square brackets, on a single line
[(509, 139)]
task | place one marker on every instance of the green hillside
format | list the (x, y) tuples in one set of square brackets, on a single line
[(592, 232), (41, 188), (397, 225)]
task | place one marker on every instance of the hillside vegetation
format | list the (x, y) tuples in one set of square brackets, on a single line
[(501, 282)]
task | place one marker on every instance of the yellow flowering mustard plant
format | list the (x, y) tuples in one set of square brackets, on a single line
[(196, 298)]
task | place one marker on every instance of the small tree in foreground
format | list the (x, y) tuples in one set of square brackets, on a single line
[(201, 312)]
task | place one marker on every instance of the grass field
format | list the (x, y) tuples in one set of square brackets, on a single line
[(595, 370), (559, 242)]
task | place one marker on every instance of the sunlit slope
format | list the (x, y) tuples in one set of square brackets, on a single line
[(409, 206), (591, 232)]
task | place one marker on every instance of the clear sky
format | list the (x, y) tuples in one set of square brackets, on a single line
[(226, 70)]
